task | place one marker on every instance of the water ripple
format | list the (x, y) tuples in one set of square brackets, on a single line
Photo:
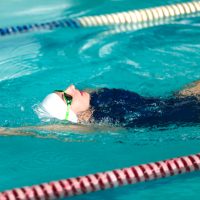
[(19, 59), (107, 49)]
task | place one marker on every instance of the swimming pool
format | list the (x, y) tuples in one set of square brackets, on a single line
[(155, 62)]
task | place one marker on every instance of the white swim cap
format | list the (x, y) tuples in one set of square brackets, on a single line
[(54, 107)]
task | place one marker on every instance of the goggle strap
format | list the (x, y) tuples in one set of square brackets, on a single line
[(67, 112), (68, 104)]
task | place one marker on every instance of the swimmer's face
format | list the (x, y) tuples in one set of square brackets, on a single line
[(80, 99)]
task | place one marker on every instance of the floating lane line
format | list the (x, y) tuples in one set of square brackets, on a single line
[(105, 180), (120, 18)]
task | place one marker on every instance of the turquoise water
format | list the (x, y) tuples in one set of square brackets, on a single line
[(154, 62)]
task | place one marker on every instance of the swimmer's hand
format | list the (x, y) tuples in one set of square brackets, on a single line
[(2, 131), (13, 132)]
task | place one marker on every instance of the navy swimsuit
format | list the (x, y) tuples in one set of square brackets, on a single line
[(128, 109)]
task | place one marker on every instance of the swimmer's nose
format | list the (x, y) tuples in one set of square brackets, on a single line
[(70, 90), (72, 87)]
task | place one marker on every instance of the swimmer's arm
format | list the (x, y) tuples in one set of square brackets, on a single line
[(32, 130), (75, 128), (192, 89)]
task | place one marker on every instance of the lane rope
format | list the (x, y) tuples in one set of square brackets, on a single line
[(129, 17), (105, 180)]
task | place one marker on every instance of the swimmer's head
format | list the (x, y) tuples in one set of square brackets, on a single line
[(64, 105)]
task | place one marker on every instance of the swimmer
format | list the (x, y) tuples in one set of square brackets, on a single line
[(114, 108)]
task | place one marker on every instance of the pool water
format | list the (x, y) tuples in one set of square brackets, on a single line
[(155, 61)]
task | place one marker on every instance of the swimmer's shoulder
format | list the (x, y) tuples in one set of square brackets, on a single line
[(190, 90)]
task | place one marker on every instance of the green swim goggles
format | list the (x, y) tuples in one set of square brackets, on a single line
[(68, 99)]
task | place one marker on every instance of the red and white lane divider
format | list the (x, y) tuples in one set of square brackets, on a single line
[(105, 180)]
